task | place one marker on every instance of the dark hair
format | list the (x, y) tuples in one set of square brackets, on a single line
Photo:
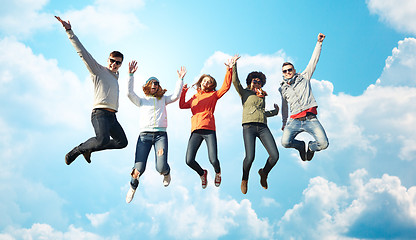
[(258, 75), (213, 86), (158, 94), (117, 54), (288, 63)]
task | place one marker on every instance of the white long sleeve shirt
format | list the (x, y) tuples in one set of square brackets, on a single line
[(153, 116)]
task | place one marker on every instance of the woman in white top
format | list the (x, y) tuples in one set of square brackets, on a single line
[(153, 124)]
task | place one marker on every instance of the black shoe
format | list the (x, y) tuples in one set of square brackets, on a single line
[(309, 154), (263, 178), (72, 155), (87, 156), (302, 152)]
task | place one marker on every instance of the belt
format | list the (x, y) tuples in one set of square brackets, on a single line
[(106, 109), (310, 116)]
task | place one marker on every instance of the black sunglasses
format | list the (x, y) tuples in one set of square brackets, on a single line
[(287, 70), (258, 82), (155, 83), (115, 61)]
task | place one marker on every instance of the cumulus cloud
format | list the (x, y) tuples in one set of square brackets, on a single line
[(110, 20), (45, 231), (45, 93), (373, 208), (200, 214), (399, 15), (400, 68), (97, 219), (31, 18)]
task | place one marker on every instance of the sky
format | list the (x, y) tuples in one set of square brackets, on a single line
[(361, 187)]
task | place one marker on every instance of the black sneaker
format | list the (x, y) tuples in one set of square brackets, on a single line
[(302, 152), (263, 178), (309, 154), (72, 155)]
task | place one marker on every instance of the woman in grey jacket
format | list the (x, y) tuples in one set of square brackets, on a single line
[(255, 125), (153, 124)]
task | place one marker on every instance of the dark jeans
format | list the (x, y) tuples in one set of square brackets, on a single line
[(261, 131), (194, 143), (105, 126)]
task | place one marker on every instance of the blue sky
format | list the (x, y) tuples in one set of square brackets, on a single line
[(361, 187)]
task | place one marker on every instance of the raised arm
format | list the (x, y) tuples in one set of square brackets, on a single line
[(228, 76), (92, 65), (182, 103), (131, 94), (176, 93), (310, 69)]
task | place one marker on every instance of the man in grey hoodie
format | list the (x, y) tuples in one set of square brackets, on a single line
[(108, 131), (296, 91)]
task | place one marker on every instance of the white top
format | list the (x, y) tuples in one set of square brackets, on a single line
[(153, 116)]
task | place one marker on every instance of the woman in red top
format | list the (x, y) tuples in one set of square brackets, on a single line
[(202, 106)]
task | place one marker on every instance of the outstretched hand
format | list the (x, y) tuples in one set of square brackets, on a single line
[(276, 107), (66, 25), (182, 72), (321, 37), (231, 62), (185, 87), (132, 66)]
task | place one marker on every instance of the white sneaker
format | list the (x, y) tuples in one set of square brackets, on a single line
[(166, 180), (130, 194)]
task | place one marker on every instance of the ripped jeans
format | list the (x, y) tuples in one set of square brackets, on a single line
[(144, 143)]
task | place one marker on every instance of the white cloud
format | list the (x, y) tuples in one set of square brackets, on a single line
[(47, 93), (374, 208), (46, 232), (110, 20), (202, 215), (30, 18), (97, 219), (400, 68), (401, 15)]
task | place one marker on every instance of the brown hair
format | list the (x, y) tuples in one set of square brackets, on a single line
[(288, 63), (158, 94), (117, 54), (213, 86)]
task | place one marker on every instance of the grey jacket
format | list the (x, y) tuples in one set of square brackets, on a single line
[(299, 94), (106, 89)]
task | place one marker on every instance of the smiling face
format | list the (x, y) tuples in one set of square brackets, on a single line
[(255, 83), (288, 71), (114, 63), (206, 84), (154, 87)]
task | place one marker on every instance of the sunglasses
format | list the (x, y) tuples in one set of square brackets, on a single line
[(155, 83), (257, 82), (287, 70), (115, 61)]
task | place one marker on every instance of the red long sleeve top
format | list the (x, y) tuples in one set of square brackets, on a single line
[(202, 104)]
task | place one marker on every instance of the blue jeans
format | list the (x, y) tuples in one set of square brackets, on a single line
[(144, 143), (194, 143), (311, 126), (261, 131), (105, 126)]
